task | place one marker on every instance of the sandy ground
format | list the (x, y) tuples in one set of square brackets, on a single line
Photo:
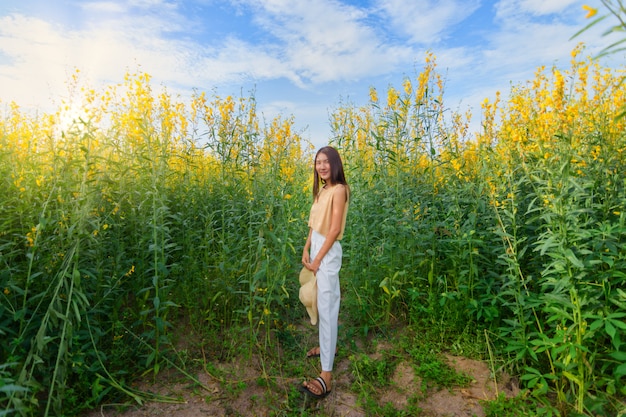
[(248, 395)]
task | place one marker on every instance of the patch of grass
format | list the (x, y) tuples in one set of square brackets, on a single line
[(371, 376), (434, 370), (518, 406), (374, 372), (389, 410), (428, 361), (298, 405), (444, 336)]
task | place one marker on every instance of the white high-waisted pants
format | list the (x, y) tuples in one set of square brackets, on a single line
[(328, 298)]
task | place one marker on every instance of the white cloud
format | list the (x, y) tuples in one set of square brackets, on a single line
[(32, 48), (103, 7), (327, 40), (42, 55), (518, 12), (427, 21), (235, 60), (544, 7)]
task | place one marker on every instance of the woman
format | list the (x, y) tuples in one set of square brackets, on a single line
[(322, 254)]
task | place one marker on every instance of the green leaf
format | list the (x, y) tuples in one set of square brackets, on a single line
[(610, 329), (547, 244), (618, 323), (572, 377), (596, 324), (150, 358), (10, 388), (620, 370), (569, 255), (76, 276)]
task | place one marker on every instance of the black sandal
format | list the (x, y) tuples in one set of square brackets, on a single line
[(307, 390)]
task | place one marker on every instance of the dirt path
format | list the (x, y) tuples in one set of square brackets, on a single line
[(249, 397)]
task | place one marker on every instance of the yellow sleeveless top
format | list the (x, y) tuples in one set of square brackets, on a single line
[(322, 211)]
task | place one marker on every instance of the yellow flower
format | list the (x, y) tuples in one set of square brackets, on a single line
[(31, 236), (7, 291), (373, 95), (130, 271), (392, 97), (591, 11)]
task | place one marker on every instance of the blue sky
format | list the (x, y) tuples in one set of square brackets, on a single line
[(300, 57)]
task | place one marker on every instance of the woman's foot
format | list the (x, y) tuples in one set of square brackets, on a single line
[(316, 388), (315, 352)]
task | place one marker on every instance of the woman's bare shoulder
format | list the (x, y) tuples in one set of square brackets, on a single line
[(340, 190)]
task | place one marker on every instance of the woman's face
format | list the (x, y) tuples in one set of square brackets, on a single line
[(322, 166)]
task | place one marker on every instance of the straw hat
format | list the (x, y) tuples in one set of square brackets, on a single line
[(308, 293)]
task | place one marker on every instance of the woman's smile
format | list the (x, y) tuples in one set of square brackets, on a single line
[(323, 167)]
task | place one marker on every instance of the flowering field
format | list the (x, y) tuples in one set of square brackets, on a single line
[(148, 213)]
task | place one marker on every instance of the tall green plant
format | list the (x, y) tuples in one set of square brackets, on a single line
[(617, 9), (54, 314)]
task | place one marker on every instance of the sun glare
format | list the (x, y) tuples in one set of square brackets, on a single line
[(71, 118)]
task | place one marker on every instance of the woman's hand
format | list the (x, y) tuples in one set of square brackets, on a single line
[(315, 265), (312, 266)]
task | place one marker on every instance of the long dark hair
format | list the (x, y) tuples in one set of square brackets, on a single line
[(337, 175)]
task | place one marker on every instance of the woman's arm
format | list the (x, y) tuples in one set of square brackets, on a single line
[(340, 197), (305, 252)]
